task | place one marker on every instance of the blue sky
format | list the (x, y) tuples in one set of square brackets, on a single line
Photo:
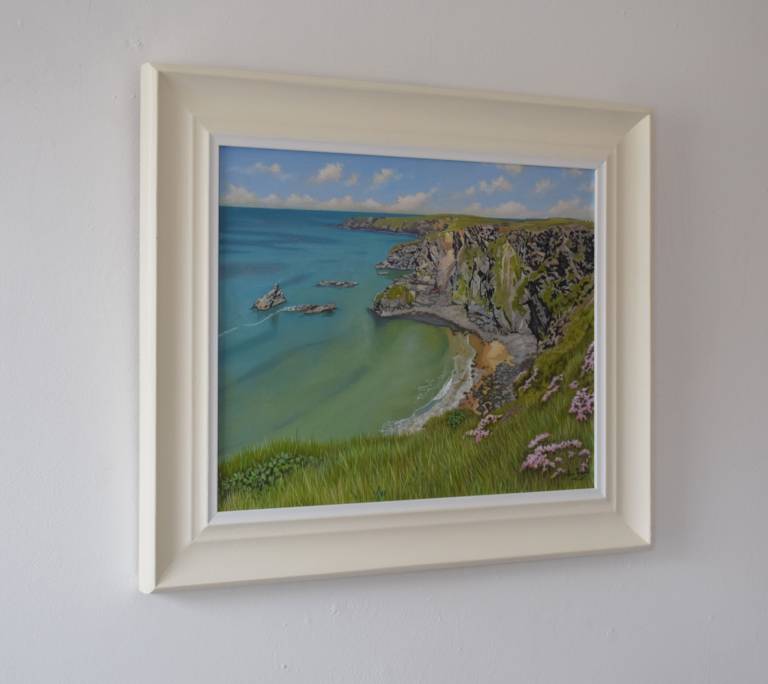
[(352, 182)]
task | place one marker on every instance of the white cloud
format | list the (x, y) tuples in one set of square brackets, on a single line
[(242, 197), (588, 187), (238, 196), (489, 187), (572, 208), (259, 167), (512, 209), (574, 172), (345, 203), (543, 185), (408, 203), (384, 176), (499, 183), (575, 207), (511, 168), (329, 172), (509, 209), (352, 179), (371, 204), (275, 201)]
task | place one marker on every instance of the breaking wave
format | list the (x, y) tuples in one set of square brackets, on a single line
[(447, 398)]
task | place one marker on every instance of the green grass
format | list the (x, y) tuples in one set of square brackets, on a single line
[(536, 225), (439, 461), (397, 292), (566, 356)]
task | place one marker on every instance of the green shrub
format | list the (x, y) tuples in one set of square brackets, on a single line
[(455, 418), (263, 474)]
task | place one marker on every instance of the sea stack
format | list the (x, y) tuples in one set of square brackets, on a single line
[(274, 297)]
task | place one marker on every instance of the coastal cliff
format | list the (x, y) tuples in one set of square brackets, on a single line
[(519, 284)]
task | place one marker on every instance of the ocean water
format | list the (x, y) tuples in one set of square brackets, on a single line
[(325, 376)]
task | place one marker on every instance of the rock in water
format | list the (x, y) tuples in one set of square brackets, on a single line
[(337, 283), (274, 297), (313, 308)]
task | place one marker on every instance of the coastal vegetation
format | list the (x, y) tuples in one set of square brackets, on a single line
[(433, 223), (397, 294), (522, 290)]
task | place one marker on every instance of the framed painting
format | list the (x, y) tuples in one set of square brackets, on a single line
[(387, 327)]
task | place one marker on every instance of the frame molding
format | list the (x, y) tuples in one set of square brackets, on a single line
[(182, 543)]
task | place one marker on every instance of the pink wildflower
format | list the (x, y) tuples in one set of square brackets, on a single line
[(481, 431), (573, 384), (554, 386), (582, 405), (589, 359), (548, 458), (539, 458), (538, 438)]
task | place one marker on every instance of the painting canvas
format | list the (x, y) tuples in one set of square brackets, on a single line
[(397, 328)]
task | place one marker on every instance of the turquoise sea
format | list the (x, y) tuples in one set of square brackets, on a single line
[(285, 374)]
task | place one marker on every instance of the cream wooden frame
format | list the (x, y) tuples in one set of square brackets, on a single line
[(182, 543)]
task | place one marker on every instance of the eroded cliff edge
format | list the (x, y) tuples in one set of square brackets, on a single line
[(516, 285)]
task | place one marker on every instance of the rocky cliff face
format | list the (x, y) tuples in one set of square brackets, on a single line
[(404, 256), (494, 280)]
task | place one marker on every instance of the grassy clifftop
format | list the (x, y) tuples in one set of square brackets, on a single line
[(429, 223)]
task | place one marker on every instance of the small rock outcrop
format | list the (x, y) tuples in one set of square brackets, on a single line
[(336, 283), (271, 299), (313, 308)]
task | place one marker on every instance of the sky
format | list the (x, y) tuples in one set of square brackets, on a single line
[(288, 179)]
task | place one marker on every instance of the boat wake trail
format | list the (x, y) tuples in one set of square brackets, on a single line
[(266, 318)]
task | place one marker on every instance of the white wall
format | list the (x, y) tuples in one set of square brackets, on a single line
[(692, 609)]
